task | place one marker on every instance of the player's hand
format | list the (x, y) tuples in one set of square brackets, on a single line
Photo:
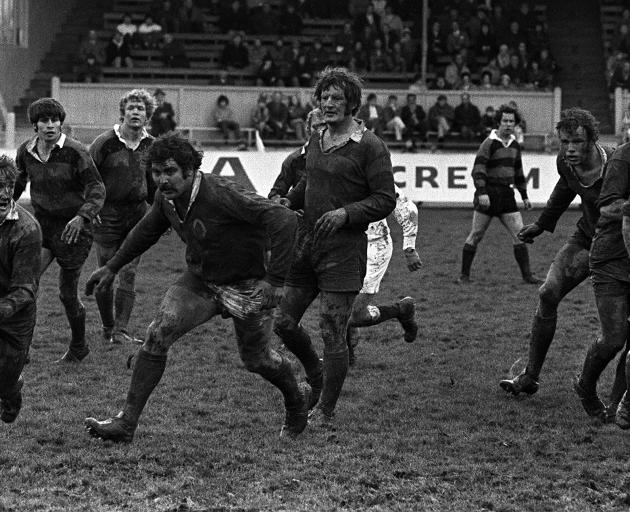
[(484, 201), (527, 204), (276, 198), (70, 234), (6, 309), (413, 260), (330, 222), (100, 280), (270, 294), (285, 201), (529, 232)]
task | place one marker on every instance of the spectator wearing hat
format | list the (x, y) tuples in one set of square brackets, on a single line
[(163, 118)]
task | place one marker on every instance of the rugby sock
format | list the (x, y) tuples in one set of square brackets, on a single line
[(595, 362), (619, 384), (543, 330), (123, 303), (521, 255), (76, 319), (335, 370), (147, 372), (299, 342), (468, 255), (284, 379), (373, 315), (105, 303)]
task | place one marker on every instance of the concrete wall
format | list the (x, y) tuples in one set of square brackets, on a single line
[(97, 104), (17, 65)]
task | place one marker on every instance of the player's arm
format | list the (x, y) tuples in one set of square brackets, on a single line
[(406, 214), (22, 177), (24, 273), (295, 196), (480, 173), (284, 180), (519, 180), (625, 229), (615, 190), (94, 189)]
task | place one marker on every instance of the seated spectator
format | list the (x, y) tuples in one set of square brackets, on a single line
[(283, 59), (359, 58), (467, 118), (414, 118), (267, 74), (397, 59), (391, 27), (516, 72), (234, 17), (625, 126), (538, 39), (499, 21), (486, 81), (379, 59), (149, 32), (466, 83), (367, 25), (117, 53), (441, 116), (318, 56), (523, 55), (621, 78), (525, 17), (514, 36), (235, 54), (302, 72), (372, 115), (264, 20), (474, 24), (278, 116), (418, 86), (436, 44), (439, 84), (621, 40), (409, 51), (260, 116), (223, 79), (297, 117), (129, 30), (190, 18), (547, 62), (486, 45), (505, 83), (166, 16), (290, 22), (456, 40), (344, 40), (256, 54), (173, 53), (90, 59), (488, 122), (493, 70), (391, 117), (222, 117), (379, 7), (453, 72), (537, 77), (163, 118), (503, 57)]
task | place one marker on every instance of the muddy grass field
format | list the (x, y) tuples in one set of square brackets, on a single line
[(420, 426)]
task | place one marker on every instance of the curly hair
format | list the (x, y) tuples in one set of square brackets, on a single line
[(8, 169), (506, 109), (350, 83), (138, 95), (46, 108), (572, 118), (179, 149)]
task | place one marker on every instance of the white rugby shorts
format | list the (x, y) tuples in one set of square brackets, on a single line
[(379, 253)]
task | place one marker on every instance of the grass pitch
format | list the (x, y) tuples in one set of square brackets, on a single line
[(420, 426)]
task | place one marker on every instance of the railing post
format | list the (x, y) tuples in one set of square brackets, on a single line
[(55, 87), (9, 134)]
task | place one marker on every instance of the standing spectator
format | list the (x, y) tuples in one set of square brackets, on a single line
[(235, 54), (190, 18), (547, 63), (173, 53), (129, 30), (166, 16), (234, 17), (456, 40), (223, 118), (290, 22), (537, 77), (90, 59), (380, 61), (278, 116), (391, 117), (368, 24), (409, 50), (523, 55), (391, 27), (163, 118), (525, 17), (117, 52), (297, 117), (149, 32), (371, 113), (263, 20), (414, 118), (467, 118), (441, 116), (436, 43)]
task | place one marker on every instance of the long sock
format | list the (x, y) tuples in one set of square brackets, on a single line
[(335, 370), (10, 371), (284, 379), (299, 342), (105, 303), (619, 384), (468, 255), (543, 330), (123, 303), (376, 315), (594, 364), (521, 255), (147, 372), (77, 326)]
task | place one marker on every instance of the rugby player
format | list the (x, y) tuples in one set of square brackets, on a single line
[(118, 155), (348, 184), (580, 163), (225, 229), (67, 193), (497, 167), (20, 250)]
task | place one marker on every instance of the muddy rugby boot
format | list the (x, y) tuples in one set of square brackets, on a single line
[(296, 417), (116, 429), (590, 401), (11, 405), (622, 414), (407, 318), (522, 383)]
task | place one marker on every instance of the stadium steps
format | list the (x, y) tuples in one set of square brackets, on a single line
[(577, 45), (61, 57)]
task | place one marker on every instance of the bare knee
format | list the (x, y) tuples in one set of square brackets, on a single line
[(160, 335), (475, 237), (549, 298)]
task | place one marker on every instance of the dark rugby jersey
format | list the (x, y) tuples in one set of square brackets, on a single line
[(224, 230), (20, 249), (608, 245), (499, 164), (126, 180), (356, 176), (68, 184), (290, 174), (569, 186)]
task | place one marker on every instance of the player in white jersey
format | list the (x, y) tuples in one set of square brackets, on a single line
[(379, 253)]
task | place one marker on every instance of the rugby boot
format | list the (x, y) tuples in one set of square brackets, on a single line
[(522, 383), (319, 419), (105, 303), (116, 429), (11, 404), (316, 381), (521, 255), (296, 415), (468, 255), (106, 333), (407, 318), (123, 306), (78, 349), (543, 331), (622, 414), (591, 403)]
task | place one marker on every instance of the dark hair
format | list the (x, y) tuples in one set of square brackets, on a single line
[(222, 98), (8, 168), (346, 80), (572, 118), (138, 95), (371, 96), (175, 147), (392, 97), (506, 109), (45, 108), (442, 97)]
